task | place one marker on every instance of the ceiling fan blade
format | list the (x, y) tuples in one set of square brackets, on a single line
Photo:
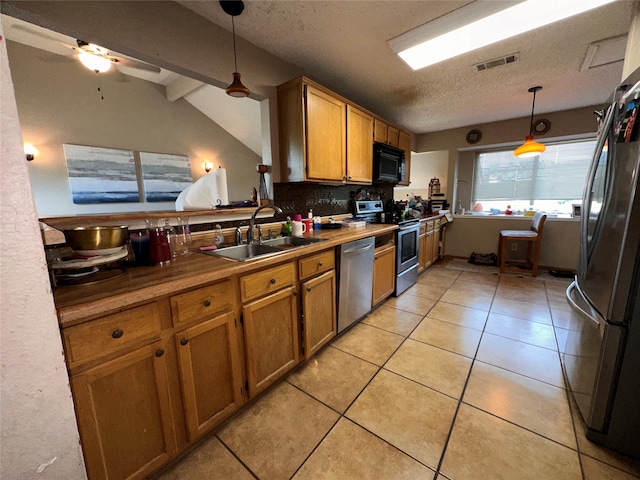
[(130, 63)]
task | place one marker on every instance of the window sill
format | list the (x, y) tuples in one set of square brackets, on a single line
[(502, 216)]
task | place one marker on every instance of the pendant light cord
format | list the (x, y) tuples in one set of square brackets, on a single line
[(533, 106), (235, 59)]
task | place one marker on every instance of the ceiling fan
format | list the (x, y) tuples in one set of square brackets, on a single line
[(100, 59), (94, 57)]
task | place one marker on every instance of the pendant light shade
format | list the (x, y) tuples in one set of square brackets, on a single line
[(235, 8), (530, 148), (237, 89)]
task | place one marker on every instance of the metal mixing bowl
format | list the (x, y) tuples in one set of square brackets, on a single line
[(101, 238)]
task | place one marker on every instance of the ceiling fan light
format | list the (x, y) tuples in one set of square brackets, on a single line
[(237, 89), (94, 62), (530, 148)]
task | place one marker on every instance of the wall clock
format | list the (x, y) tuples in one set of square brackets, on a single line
[(542, 126), (473, 136)]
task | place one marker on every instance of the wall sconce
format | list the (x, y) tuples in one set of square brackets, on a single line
[(208, 166), (29, 151)]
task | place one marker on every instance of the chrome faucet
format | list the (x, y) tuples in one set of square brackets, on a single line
[(275, 208)]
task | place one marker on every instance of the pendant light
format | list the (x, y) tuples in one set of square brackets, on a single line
[(530, 148), (235, 8)]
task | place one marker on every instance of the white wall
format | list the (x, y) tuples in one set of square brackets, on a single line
[(39, 432), (58, 103), (424, 167), (560, 238)]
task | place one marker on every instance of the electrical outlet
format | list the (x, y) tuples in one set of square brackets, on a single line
[(514, 247)]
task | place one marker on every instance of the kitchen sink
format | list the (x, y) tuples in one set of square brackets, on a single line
[(243, 253), (292, 242), (274, 246)]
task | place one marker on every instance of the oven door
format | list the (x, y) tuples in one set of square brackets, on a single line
[(407, 257)]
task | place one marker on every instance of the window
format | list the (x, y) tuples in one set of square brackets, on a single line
[(550, 182)]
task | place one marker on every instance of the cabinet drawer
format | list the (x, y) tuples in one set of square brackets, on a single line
[(423, 228), (321, 262), (106, 335), (430, 226), (202, 303), (267, 281)]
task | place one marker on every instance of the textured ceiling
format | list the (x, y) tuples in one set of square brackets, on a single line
[(343, 44)]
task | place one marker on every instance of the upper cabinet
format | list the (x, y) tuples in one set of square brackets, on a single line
[(404, 143), (359, 146), (326, 138), (322, 138), (384, 133)]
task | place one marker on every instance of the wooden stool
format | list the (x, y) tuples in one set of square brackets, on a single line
[(533, 237)]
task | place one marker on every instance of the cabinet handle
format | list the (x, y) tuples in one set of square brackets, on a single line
[(319, 264), (273, 281), (308, 289), (184, 341), (295, 293), (159, 352), (117, 333), (207, 303)]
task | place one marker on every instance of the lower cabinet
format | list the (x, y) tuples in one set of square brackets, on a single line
[(210, 371), (384, 267), (318, 312), (318, 287), (124, 414), (271, 338)]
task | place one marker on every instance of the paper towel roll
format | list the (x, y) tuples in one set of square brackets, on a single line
[(221, 186)]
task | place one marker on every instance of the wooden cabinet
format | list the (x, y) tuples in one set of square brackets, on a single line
[(318, 312), (359, 165), (384, 133), (435, 255), (209, 362), (384, 262), (326, 155), (425, 253), (271, 332), (124, 418), (404, 143), (318, 287), (323, 138)]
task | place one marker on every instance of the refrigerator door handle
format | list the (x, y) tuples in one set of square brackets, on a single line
[(593, 315)]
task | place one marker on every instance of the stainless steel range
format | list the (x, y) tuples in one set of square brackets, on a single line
[(407, 243)]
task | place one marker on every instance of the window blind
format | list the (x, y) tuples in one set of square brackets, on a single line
[(557, 174)]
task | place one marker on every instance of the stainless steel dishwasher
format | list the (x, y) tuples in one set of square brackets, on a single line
[(355, 277)]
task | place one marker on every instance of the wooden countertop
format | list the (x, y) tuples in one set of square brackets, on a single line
[(139, 284)]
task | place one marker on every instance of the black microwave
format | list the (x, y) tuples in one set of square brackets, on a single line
[(388, 163)]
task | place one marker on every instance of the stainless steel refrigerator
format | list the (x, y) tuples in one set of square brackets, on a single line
[(601, 356)]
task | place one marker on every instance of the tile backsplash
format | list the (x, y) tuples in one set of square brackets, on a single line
[(324, 200)]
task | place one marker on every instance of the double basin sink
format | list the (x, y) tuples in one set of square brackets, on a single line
[(267, 248)]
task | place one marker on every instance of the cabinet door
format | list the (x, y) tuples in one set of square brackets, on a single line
[(210, 372), (404, 143), (326, 136), (271, 338), (436, 244), (428, 249), (392, 136), (384, 263), (319, 311), (359, 146), (422, 253), (123, 411), (380, 132)]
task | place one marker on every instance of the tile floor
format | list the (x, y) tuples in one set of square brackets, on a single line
[(459, 378)]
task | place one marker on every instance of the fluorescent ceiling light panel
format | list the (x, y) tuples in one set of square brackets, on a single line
[(479, 24)]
